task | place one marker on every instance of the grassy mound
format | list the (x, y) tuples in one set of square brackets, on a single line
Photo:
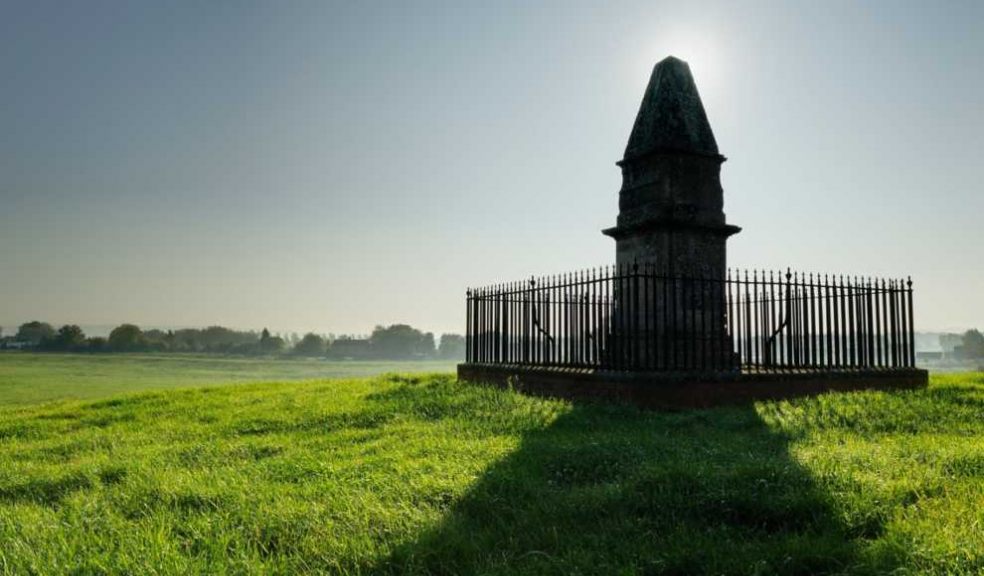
[(421, 474)]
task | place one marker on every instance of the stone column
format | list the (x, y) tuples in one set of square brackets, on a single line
[(671, 214)]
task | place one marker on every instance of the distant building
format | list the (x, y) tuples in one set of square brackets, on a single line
[(929, 355), (940, 347)]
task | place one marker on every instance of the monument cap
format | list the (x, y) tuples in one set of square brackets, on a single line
[(671, 118)]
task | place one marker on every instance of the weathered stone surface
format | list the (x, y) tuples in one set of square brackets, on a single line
[(671, 209), (671, 117), (671, 205)]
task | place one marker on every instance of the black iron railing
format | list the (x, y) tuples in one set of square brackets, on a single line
[(639, 318)]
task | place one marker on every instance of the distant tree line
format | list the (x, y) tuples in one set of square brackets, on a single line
[(971, 346), (395, 342), (966, 346)]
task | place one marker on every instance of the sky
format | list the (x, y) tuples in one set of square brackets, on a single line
[(331, 166)]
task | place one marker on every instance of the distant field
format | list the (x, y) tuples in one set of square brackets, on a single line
[(27, 378), (425, 475)]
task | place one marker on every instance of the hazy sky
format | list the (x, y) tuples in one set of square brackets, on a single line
[(332, 166)]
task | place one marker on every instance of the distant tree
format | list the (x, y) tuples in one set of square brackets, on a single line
[(34, 332), (270, 344), (401, 342), (186, 340), (426, 348), (97, 344), (973, 344), (311, 345), (158, 340), (170, 340), (216, 339), (127, 338), (452, 347), (69, 337), (350, 347), (222, 339)]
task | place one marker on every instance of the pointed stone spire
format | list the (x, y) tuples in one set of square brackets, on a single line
[(671, 205), (671, 117)]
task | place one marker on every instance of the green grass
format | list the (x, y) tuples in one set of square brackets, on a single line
[(422, 474), (27, 378)]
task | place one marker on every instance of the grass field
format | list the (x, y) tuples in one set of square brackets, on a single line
[(422, 474), (27, 378)]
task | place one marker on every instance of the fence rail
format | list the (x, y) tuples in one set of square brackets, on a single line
[(637, 317)]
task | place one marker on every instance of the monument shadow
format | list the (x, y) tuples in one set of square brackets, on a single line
[(611, 489)]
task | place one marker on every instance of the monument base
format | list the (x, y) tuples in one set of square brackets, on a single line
[(668, 390)]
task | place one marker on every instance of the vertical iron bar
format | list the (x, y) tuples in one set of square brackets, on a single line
[(912, 333), (814, 335), (771, 343), (754, 320), (731, 316), (635, 316), (702, 286), (893, 293), (852, 332), (792, 354), (889, 334), (828, 355), (647, 353), (665, 327)]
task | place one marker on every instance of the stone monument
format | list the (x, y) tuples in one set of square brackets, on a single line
[(671, 215), (669, 325), (671, 205)]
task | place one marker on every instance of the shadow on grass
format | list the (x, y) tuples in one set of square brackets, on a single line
[(614, 490)]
